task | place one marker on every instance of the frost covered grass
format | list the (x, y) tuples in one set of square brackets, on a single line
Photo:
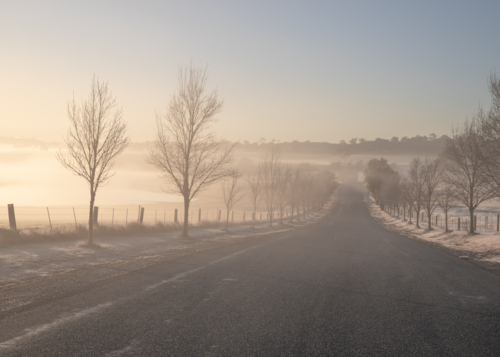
[(484, 246), (10, 237)]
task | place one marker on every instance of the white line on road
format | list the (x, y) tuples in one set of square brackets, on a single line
[(182, 275), (50, 326), (80, 314)]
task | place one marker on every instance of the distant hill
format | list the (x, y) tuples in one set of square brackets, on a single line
[(417, 145)]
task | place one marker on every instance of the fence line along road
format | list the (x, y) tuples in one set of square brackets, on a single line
[(486, 223), (24, 217)]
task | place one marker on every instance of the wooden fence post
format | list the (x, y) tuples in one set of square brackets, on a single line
[(141, 219), (12, 217), (50, 223), (95, 214), (74, 215)]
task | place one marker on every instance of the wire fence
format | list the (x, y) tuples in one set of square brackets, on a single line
[(72, 217), (485, 222)]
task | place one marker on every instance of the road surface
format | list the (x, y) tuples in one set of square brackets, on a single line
[(342, 287)]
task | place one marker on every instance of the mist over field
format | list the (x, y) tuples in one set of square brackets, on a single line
[(32, 176)]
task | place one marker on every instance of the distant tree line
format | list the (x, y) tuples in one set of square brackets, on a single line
[(467, 171), (418, 145)]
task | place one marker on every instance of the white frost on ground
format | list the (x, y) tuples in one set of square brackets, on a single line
[(485, 246), (41, 259)]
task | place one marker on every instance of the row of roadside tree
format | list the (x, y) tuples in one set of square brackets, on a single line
[(467, 172), (280, 186), (186, 152)]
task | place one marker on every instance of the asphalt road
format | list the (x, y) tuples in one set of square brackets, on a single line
[(343, 287)]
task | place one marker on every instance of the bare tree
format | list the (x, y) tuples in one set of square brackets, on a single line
[(405, 194), (97, 135), (184, 150), (446, 201), (232, 193), (416, 190), (432, 177), (306, 188), (294, 191), (269, 169), (466, 152), (490, 130), (254, 181), (391, 193), (284, 176)]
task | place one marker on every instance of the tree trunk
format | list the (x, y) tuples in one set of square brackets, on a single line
[(418, 218), (471, 214), (91, 219), (254, 216), (446, 221), (410, 215), (227, 219), (429, 218), (186, 217)]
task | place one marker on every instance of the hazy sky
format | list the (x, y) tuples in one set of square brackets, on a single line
[(288, 70)]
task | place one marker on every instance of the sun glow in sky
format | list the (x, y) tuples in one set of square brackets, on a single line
[(287, 70)]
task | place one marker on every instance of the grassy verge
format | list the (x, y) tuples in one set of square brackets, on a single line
[(10, 237)]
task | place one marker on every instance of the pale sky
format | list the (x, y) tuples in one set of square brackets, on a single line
[(287, 70)]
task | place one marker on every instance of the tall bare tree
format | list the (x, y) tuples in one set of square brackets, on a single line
[(254, 181), (446, 201), (306, 189), (232, 193), (97, 135), (432, 177), (282, 189), (416, 177), (269, 169), (184, 150), (466, 152), (405, 193), (391, 192), (490, 130), (294, 192)]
